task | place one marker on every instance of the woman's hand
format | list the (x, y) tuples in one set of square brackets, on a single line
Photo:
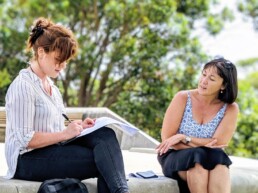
[(213, 144), (165, 145), (73, 129), (76, 127), (88, 122)]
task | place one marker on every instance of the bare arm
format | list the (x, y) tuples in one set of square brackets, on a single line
[(196, 142), (180, 145), (74, 129), (227, 126), (173, 115), (171, 122), (41, 139)]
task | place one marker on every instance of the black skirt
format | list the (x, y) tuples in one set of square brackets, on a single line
[(182, 160)]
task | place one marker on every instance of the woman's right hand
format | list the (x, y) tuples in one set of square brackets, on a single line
[(165, 145), (73, 129)]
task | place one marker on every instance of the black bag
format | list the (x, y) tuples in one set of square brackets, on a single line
[(68, 185)]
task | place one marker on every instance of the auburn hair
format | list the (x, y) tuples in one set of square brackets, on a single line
[(52, 37)]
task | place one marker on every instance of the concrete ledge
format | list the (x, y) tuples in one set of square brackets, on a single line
[(241, 180), (244, 180), (163, 185)]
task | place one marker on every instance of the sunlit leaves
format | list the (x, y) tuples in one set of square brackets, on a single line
[(250, 9), (214, 24), (245, 140), (5, 78)]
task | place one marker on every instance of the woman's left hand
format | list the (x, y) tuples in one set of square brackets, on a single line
[(213, 144), (88, 122), (165, 145)]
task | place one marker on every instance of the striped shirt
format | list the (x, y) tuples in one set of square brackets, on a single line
[(29, 109)]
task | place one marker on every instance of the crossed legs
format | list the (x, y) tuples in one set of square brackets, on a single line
[(94, 155), (207, 181)]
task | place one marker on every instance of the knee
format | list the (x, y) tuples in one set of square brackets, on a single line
[(199, 167), (222, 168), (107, 133)]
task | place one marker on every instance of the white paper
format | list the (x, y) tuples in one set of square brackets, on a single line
[(103, 121)]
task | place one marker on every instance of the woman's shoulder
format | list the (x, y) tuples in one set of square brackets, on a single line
[(23, 73), (233, 107), (23, 79), (181, 96)]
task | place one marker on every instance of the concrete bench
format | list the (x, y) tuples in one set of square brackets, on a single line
[(164, 185), (135, 185), (241, 183), (134, 161), (244, 176)]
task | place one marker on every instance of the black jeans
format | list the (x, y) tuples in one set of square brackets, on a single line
[(97, 154)]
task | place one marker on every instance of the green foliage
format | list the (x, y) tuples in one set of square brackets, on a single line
[(215, 21), (245, 140), (248, 62), (5, 78), (253, 77), (195, 10), (250, 9), (214, 25)]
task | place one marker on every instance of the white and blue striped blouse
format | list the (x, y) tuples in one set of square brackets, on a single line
[(29, 109)]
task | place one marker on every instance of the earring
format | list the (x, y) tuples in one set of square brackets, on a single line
[(221, 91)]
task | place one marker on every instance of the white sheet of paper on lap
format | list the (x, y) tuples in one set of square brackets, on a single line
[(104, 121)]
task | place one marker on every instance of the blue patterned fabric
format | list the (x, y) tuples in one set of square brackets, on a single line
[(191, 128)]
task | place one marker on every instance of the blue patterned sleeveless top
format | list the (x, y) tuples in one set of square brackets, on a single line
[(191, 128)]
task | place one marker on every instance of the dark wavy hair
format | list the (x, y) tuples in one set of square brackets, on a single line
[(228, 72), (52, 37)]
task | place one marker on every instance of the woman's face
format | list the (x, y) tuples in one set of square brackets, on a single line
[(50, 64), (210, 83)]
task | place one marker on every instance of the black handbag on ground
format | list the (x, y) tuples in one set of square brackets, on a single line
[(67, 185)]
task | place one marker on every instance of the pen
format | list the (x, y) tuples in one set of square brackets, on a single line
[(69, 140), (65, 116)]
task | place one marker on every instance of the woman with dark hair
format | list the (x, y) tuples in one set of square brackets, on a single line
[(35, 125), (197, 125)]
